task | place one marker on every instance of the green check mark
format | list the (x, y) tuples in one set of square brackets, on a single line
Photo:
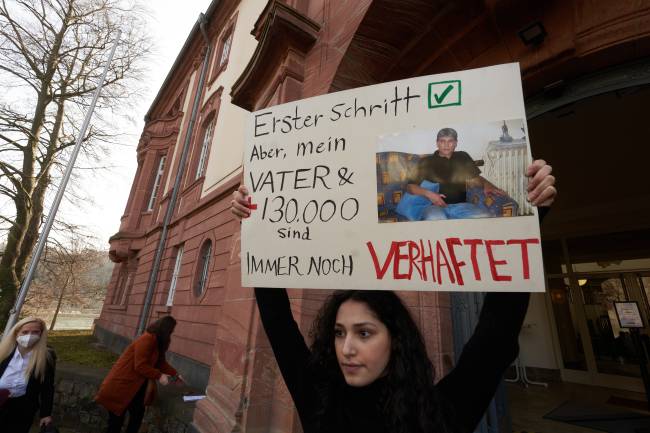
[(443, 95)]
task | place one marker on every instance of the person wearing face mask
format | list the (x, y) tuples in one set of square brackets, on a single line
[(27, 368), (367, 368)]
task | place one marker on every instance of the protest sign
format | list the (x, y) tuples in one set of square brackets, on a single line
[(327, 176)]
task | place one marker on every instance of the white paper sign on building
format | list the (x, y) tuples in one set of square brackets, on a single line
[(334, 183), (629, 315)]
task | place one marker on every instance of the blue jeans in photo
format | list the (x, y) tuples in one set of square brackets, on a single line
[(454, 211)]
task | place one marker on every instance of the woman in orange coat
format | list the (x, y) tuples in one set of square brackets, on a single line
[(125, 387)]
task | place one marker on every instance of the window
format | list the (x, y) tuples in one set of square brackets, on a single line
[(177, 269), (222, 51), (126, 288), (205, 146), (156, 183), (125, 281), (203, 268), (121, 284), (225, 49)]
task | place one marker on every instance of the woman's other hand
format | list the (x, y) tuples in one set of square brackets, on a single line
[(239, 204), (541, 184), (164, 379)]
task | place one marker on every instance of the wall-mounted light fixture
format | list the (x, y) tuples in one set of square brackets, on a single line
[(533, 34)]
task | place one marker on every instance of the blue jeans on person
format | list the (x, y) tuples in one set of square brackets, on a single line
[(454, 211)]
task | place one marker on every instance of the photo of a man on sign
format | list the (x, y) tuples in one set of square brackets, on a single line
[(482, 177)]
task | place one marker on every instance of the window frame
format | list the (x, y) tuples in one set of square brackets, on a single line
[(206, 141), (226, 42), (157, 180), (202, 272), (175, 273), (125, 281), (227, 34), (120, 284)]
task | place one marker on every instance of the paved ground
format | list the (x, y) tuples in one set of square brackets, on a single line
[(529, 405), (35, 429)]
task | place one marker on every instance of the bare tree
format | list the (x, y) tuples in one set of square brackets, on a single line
[(51, 57), (71, 275)]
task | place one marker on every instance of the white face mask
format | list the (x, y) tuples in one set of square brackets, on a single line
[(27, 341)]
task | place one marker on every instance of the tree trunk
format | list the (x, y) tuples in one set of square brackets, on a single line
[(9, 287), (10, 275), (58, 304), (23, 234)]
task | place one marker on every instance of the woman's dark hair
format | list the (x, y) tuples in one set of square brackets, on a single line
[(162, 329), (410, 401)]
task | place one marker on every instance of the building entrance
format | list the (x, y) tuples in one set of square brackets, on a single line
[(596, 240), (593, 347)]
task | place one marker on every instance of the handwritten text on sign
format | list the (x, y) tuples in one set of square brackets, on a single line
[(318, 194)]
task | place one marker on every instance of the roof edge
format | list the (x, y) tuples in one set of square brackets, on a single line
[(188, 41)]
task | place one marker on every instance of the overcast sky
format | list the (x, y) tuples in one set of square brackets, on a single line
[(170, 26)]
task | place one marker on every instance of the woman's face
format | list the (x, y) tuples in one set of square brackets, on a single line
[(362, 343), (28, 335), (31, 328)]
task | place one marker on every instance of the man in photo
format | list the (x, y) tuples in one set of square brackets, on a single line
[(443, 179)]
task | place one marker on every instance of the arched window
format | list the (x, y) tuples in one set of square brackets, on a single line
[(205, 147), (121, 283), (226, 43), (125, 281), (175, 274), (156, 182), (224, 47), (203, 269)]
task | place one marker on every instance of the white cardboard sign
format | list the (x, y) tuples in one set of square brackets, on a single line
[(327, 175)]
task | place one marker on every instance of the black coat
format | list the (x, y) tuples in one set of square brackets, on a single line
[(39, 393)]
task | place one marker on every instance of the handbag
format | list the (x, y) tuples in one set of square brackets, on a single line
[(151, 392)]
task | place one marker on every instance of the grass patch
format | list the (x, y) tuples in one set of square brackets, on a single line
[(79, 347)]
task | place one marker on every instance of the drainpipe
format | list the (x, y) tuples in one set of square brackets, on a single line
[(155, 269)]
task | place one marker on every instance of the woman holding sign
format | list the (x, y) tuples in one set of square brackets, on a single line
[(367, 369)]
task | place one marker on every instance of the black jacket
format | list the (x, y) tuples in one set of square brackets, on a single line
[(467, 389), (39, 394), (465, 392)]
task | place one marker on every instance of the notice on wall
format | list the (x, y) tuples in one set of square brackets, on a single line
[(628, 314), (416, 184)]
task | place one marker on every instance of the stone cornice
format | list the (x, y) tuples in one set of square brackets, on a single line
[(279, 29), (160, 129), (122, 243)]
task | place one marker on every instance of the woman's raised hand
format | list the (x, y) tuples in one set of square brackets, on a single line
[(239, 204), (541, 184)]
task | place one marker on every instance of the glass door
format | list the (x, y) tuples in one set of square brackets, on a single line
[(594, 349), (565, 311), (613, 349)]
